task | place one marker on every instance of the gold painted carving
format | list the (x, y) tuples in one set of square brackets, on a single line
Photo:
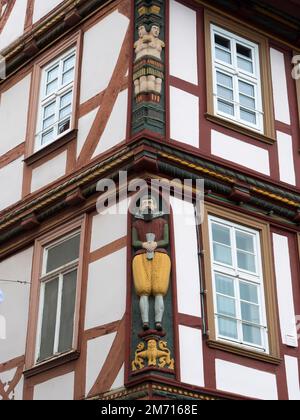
[(149, 10), (156, 355)]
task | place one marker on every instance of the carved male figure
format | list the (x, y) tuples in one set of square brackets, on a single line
[(151, 263)]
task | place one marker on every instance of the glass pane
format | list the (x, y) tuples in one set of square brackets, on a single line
[(49, 320), (225, 93), (245, 65), (246, 261), (250, 313), (248, 102), (66, 99), (51, 87), (223, 42), (47, 137), (226, 306), (228, 328), (69, 63), (48, 122), (246, 89), (67, 312), (68, 77), (248, 116), (52, 74), (63, 253), (245, 51), (245, 241), (65, 112), (223, 55), (49, 110), (225, 107), (221, 234), (222, 254), (249, 292), (64, 126), (252, 335), (223, 79), (224, 285)]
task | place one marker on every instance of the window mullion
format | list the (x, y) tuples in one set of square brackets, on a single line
[(58, 313)]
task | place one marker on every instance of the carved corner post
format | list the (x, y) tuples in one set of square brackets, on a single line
[(149, 67), (152, 325)]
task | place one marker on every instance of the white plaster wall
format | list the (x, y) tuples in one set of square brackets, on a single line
[(115, 131), (281, 101), (15, 25), (16, 303), (42, 7), (239, 152), (292, 377), (7, 377), (286, 158), (97, 352), (184, 120), (240, 380), (119, 381), (106, 293), (12, 173), (13, 119), (102, 46), (57, 389), (49, 172), (187, 262), (84, 126), (285, 290), (183, 42), (108, 227), (191, 356)]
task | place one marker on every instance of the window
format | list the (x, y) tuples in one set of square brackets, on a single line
[(237, 88), (58, 297), (238, 284), (239, 82), (56, 99)]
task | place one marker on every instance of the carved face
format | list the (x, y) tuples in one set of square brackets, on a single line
[(152, 345), (155, 31), (142, 31), (148, 205)]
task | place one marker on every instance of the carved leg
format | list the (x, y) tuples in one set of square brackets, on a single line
[(158, 85), (144, 307), (143, 84), (159, 311), (151, 83)]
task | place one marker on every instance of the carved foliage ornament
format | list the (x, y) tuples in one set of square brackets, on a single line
[(156, 354)]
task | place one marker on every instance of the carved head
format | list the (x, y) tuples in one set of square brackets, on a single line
[(152, 345), (142, 31), (148, 205), (155, 31)]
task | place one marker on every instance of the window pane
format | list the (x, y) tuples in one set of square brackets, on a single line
[(222, 254), (49, 320), (245, 51), (224, 285), (49, 110), (223, 79), (223, 55), (67, 312), (245, 65), (247, 102), (226, 306), (246, 261), (250, 313), (225, 93), (223, 42), (52, 74), (221, 234), (252, 335), (47, 137), (52, 87), (69, 63), (249, 292), (66, 99), (65, 112), (248, 116), (225, 107), (245, 241), (228, 328), (64, 126), (246, 89), (63, 253)]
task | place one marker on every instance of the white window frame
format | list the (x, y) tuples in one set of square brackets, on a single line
[(240, 275), (46, 100), (44, 279), (237, 75)]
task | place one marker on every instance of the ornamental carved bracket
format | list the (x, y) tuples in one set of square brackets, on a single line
[(156, 354)]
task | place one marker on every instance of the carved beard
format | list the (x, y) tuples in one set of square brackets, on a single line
[(148, 216)]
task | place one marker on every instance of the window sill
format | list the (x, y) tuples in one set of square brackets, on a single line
[(52, 147), (240, 351), (51, 363), (239, 128)]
